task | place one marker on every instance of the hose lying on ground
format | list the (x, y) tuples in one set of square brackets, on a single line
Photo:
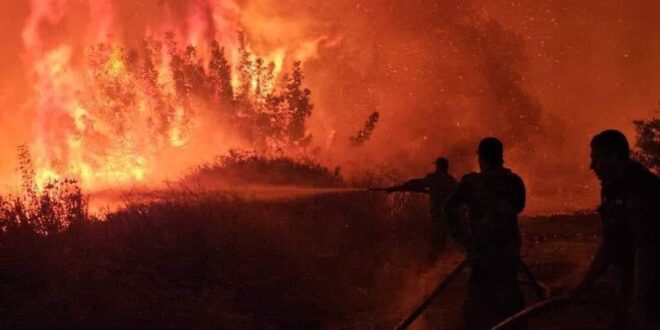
[(542, 292), (420, 309), (545, 305)]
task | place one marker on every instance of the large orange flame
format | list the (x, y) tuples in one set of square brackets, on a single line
[(105, 119)]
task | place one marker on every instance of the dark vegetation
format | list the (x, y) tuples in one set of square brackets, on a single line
[(241, 167), (364, 134), (207, 260), (648, 143), (211, 261), (215, 261), (354, 260), (45, 211)]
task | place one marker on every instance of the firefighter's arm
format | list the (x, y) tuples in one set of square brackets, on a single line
[(415, 185)]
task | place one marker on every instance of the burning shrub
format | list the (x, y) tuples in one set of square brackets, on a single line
[(43, 210), (241, 167)]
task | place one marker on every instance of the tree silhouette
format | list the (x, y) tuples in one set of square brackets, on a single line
[(220, 74), (194, 74), (647, 147), (298, 100), (245, 69), (365, 132)]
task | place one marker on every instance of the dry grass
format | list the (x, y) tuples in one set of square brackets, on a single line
[(214, 261), (355, 260)]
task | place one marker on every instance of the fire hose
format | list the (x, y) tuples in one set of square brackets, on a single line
[(443, 283), (541, 291), (545, 305)]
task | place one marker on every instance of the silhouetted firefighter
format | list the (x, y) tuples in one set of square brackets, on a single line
[(439, 185), (630, 213), (492, 198)]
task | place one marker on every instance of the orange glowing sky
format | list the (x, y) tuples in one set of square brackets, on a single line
[(543, 75)]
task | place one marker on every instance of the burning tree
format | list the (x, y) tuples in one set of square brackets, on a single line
[(219, 74), (133, 105), (298, 106), (647, 147)]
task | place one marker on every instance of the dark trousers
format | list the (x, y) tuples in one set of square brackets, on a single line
[(439, 236), (494, 294), (625, 321)]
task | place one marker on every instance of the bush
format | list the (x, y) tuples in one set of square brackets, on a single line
[(44, 211), (240, 167), (647, 146), (210, 261)]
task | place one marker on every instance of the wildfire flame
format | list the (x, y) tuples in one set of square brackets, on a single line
[(106, 113), (442, 74)]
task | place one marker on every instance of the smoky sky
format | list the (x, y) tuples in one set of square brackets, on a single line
[(544, 76)]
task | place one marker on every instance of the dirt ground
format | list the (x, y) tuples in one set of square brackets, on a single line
[(558, 250)]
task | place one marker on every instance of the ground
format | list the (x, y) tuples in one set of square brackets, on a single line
[(355, 260), (558, 250)]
